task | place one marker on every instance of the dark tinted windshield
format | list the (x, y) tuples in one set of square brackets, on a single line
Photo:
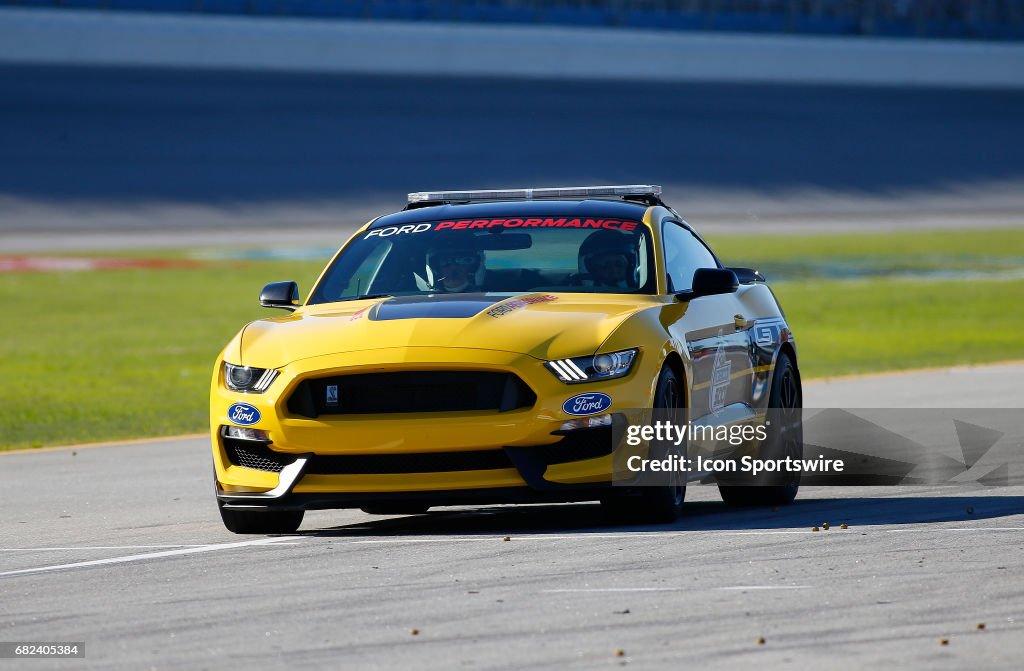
[(507, 255)]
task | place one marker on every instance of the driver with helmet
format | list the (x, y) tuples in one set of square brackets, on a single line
[(455, 270), (608, 260)]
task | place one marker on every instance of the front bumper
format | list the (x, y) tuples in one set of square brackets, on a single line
[(575, 468), (441, 497), (474, 457)]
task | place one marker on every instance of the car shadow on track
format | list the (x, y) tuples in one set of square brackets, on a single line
[(698, 516)]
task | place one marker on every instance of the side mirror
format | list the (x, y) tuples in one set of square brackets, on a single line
[(710, 282), (748, 275), (284, 295), (714, 281)]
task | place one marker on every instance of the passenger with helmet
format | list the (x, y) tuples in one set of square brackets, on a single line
[(607, 260), (455, 270)]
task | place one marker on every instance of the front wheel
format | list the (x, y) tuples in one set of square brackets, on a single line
[(785, 439), (662, 503)]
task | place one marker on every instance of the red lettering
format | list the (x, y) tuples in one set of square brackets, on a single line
[(613, 224)]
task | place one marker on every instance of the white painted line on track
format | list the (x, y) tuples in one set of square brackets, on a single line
[(611, 589), (601, 590), (745, 588), (105, 547), (546, 537), (871, 528), (391, 541), (762, 533), (150, 555), (892, 531)]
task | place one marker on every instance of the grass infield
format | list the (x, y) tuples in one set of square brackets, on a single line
[(114, 354)]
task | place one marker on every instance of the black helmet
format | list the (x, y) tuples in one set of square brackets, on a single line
[(604, 242)]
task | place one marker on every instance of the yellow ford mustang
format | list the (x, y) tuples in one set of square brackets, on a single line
[(483, 347)]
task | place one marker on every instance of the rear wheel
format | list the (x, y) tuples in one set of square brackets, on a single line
[(661, 503), (785, 439), (261, 521)]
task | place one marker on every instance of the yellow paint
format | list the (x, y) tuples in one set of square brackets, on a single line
[(341, 338)]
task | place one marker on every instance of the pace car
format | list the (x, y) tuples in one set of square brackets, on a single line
[(482, 347)]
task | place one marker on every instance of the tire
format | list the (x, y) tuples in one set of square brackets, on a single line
[(785, 439), (261, 521), (655, 504), (395, 509)]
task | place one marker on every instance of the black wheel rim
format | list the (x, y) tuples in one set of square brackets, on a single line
[(790, 394), (791, 424), (670, 398)]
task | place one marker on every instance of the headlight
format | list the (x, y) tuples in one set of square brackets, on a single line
[(244, 378), (593, 368)]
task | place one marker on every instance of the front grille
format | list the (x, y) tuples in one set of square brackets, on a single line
[(410, 391), (431, 462), (256, 455)]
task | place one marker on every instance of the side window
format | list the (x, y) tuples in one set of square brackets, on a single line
[(684, 254)]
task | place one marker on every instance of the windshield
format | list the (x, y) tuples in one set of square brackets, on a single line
[(507, 255)]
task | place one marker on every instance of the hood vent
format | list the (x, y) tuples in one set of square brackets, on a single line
[(434, 306)]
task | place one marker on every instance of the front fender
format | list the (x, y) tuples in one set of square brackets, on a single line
[(649, 331)]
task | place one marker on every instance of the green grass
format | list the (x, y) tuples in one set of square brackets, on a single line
[(118, 354), (122, 354), (845, 327), (874, 255), (911, 245), (884, 314)]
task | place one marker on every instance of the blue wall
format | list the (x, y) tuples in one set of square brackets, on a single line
[(978, 19)]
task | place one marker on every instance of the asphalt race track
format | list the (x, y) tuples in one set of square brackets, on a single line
[(120, 547)]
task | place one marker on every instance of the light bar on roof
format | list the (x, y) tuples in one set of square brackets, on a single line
[(533, 194)]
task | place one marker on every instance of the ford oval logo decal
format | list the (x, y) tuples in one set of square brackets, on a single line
[(587, 404), (244, 414)]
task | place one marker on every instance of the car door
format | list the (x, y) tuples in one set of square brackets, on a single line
[(716, 332)]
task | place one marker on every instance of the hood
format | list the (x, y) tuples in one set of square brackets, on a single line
[(545, 326)]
